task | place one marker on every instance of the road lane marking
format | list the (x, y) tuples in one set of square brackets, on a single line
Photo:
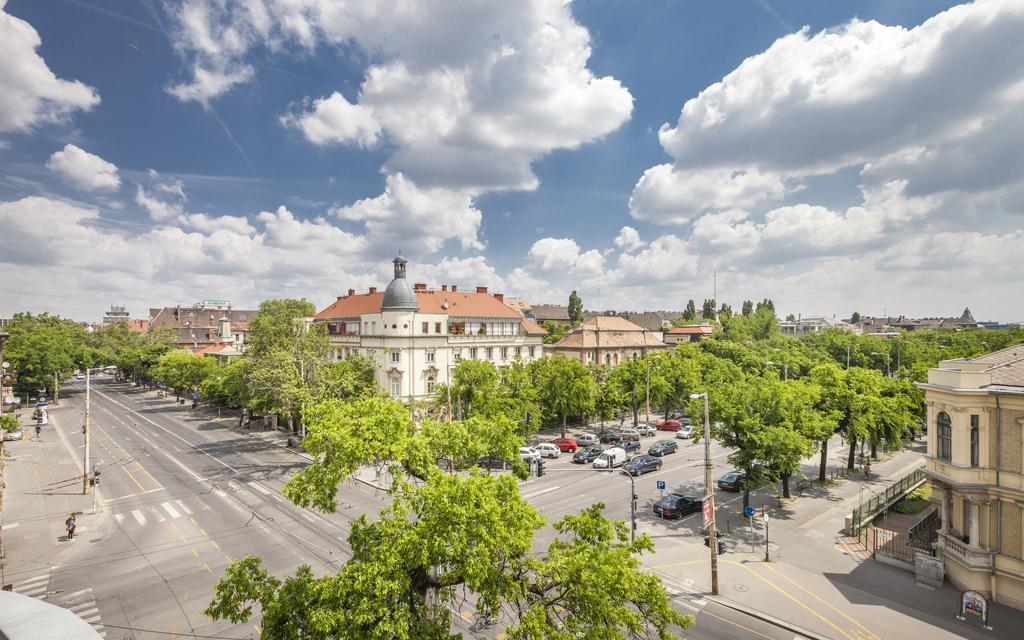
[(11, 525), (207, 567), (257, 486), (541, 492), (797, 585), (132, 476), (156, 514), (135, 495), (146, 471), (215, 545), (139, 517), (119, 517), (184, 507), (194, 552), (736, 624)]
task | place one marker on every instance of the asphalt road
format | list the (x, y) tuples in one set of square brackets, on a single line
[(181, 497)]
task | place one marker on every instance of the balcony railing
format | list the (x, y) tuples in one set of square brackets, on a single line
[(973, 557)]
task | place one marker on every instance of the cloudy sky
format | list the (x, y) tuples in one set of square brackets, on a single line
[(835, 156)]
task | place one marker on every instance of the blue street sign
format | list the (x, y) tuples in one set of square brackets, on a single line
[(749, 512), (661, 484)]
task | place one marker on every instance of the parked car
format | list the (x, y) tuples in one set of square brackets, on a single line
[(492, 462), (610, 458), (528, 454), (16, 434), (567, 445), (629, 433), (663, 447), (685, 431), (585, 439), (646, 428), (732, 481), (685, 420), (630, 446), (547, 450), (641, 465), (668, 425), (587, 455), (609, 437), (676, 505)]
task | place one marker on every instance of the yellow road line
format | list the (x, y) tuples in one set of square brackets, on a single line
[(207, 567), (132, 476), (815, 596), (677, 564), (215, 545), (790, 596), (736, 624), (146, 471), (194, 552)]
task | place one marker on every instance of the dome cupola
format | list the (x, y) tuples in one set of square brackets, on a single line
[(399, 295)]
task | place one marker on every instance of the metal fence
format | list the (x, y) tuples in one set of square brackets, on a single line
[(864, 513), (891, 543)]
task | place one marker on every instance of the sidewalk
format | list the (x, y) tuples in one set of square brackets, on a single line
[(44, 485)]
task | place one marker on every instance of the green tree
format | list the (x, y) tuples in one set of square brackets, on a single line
[(43, 350), (708, 310), (575, 308), (440, 533), (855, 318), (183, 370), (748, 307), (690, 313), (556, 331), (725, 310), (790, 317), (474, 387), (565, 388)]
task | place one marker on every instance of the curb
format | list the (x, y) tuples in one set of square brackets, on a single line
[(764, 617)]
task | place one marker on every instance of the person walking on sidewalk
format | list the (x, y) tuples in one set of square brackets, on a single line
[(69, 524)]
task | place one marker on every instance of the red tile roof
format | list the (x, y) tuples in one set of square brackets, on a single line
[(468, 304), (533, 329), (693, 329)]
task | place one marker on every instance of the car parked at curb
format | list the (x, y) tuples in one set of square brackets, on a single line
[(547, 450), (684, 432), (609, 437), (566, 445), (663, 447), (668, 425), (732, 481), (528, 454), (629, 433), (630, 446), (641, 465), (585, 439), (646, 428), (492, 462), (587, 455), (676, 505)]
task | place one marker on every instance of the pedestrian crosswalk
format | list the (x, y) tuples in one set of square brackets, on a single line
[(35, 586), (83, 604), (160, 512)]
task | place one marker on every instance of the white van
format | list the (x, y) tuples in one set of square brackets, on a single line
[(610, 458)]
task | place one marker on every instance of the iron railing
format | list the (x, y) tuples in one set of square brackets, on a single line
[(866, 511)]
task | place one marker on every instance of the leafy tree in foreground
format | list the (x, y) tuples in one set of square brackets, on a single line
[(444, 537), (565, 387)]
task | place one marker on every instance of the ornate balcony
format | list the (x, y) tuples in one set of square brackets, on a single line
[(966, 554)]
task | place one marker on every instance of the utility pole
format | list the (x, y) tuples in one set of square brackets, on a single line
[(85, 432), (709, 493), (648, 387), (847, 357)]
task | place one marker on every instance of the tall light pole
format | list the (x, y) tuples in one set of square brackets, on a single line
[(847, 356), (85, 431), (709, 493), (785, 368)]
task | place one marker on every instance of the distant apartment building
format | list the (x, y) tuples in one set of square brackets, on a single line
[(688, 333), (814, 324), (551, 313), (975, 463), (657, 321), (875, 324), (608, 340), (416, 336), (205, 325), (120, 315)]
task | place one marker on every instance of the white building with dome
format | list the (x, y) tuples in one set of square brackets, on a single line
[(416, 336)]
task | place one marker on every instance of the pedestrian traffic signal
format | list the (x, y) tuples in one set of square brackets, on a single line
[(540, 468), (529, 418)]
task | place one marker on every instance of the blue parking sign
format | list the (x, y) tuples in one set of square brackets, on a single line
[(749, 512), (661, 484)]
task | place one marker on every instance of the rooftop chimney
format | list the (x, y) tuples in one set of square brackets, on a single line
[(351, 292), (373, 289), (454, 288), (481, 289), (444, 287), (500, 297), (419, 286)]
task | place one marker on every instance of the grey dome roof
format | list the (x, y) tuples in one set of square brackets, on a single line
[(399, 296)]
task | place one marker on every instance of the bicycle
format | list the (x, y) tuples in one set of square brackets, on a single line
[(482, 622)]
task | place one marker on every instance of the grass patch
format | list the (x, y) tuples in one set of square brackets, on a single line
[(916, 501)]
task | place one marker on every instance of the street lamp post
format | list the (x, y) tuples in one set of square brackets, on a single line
[(632, 505), (85, 431), (785, 368), (766, 559), (709, 492), (4, 337)]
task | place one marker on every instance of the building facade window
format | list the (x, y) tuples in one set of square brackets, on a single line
[(430, 355), (395, 356), (437, 327), (457, 328), (974, 441), (431, 382), (490, 353), (396, 387), (533, 352), (504, 353), (472, 353), (457, 355), (945, 436), (519, 351), (426, 327)]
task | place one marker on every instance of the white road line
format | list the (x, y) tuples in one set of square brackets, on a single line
[(685, 605), (84, 609), (184, 507), (139, 517), (42, 578), (174, 513), (220, 493), (156, 514), (541, 492), (10, 526), (257, 486), (308, 517), (119, 517), (135, 495), (78, 593)]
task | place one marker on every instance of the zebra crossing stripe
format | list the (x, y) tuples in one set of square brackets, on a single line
[(171, 511), (257, 486), (141, 519), (184, 507)]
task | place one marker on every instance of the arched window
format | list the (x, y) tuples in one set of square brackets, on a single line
[(945, 436), (608, 359), (431, 381)]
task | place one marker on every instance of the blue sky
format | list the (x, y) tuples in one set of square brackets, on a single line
[(218, 151)]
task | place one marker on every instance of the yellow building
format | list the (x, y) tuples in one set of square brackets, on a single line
[(976, 467)]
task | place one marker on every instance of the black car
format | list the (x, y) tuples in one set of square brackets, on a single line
[(641, 465), (630, 445), (676, 505), (732, 481), (663, 447), (587, 455), (609, 437), (492, 462)]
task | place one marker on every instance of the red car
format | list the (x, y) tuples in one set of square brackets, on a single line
[(668, 425), (565, 444)]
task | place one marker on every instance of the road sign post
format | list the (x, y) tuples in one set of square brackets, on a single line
[(661, 487), (749, 512)]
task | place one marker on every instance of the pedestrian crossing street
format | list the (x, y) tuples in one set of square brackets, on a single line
[(81, 603), (169, 510)]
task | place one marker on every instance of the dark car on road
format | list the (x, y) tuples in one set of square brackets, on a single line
[(641, 465), (732, 481), (492, 462), (663, 447), (630, 446), (587, 455), (609, 437), (676, 505)]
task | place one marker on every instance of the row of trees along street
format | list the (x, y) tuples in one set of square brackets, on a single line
[(443, 537)]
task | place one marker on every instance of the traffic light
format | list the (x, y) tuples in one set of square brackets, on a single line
[(95, 479), (529, 418), (540, 468), (721, 545)]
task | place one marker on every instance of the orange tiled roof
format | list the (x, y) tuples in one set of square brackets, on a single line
[(698, 329), (533, 329), (468, 304)]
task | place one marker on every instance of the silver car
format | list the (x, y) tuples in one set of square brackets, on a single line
[(684, 432)]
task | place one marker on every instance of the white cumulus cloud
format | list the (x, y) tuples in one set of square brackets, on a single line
[(83, 170)]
